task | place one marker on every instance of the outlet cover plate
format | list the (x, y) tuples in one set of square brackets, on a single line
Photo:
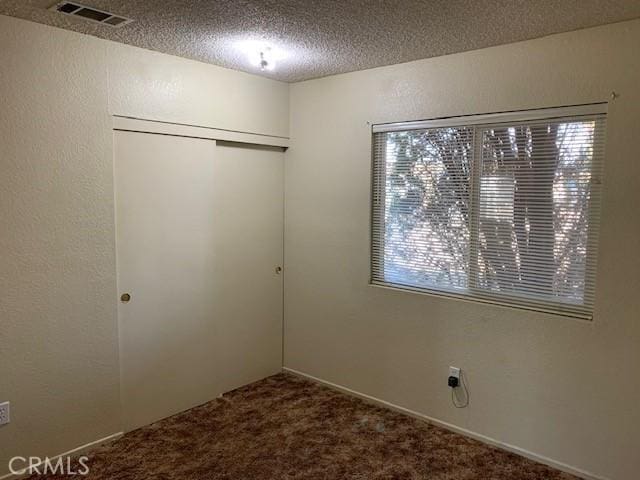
[(4, 413), (454, 372)]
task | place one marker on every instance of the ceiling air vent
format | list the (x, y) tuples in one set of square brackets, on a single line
[(89, 13)]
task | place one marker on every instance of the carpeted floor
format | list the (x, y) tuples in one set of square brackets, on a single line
[(285, 428)]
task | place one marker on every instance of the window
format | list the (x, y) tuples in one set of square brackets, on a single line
[(500, 208)]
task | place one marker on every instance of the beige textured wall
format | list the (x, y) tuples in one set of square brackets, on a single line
[(151, 85), (560, 388), (58, 327)]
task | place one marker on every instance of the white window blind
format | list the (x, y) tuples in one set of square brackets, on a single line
[(499, 208)]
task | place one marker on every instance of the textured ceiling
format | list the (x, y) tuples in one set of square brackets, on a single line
[(324, 37)]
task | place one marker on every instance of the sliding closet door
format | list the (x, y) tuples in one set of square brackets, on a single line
[(248, 187), (199, 240)]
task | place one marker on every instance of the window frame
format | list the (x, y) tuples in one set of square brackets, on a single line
[(481, 122)]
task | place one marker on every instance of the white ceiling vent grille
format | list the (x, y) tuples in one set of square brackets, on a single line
[(92, 14)]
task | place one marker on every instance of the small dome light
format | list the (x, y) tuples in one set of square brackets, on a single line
[(261, 54), (263, 59)]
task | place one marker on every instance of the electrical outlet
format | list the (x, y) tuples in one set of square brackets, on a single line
[(454, 372), (4, 413)]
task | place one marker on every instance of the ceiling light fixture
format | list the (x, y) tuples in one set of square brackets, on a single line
[(263, 59), (261, 55)]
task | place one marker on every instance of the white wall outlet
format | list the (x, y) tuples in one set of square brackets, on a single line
[(454, 372), (4, 413)]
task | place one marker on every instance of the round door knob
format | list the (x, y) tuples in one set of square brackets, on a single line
[(125, 297)]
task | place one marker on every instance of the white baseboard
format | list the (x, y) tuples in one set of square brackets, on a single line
[(74, 452), (468, 433)]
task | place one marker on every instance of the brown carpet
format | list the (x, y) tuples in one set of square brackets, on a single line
[(285, 428)]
